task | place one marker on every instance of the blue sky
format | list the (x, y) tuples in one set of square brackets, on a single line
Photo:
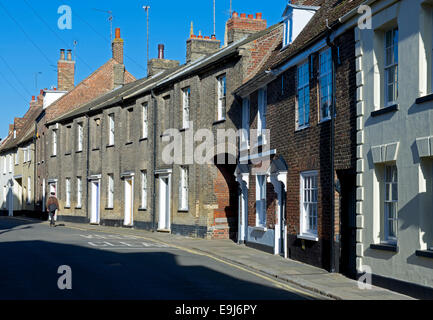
[(31, 40)]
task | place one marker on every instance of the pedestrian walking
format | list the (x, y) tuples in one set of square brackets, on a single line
[(53, 206)]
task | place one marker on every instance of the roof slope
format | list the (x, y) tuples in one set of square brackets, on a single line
[(162, 79), (328, 15), (26, 133), (98, 83)]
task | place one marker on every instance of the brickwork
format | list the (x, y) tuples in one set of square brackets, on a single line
[(309, 149)]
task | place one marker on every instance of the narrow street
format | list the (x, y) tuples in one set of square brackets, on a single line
[(112, 266)]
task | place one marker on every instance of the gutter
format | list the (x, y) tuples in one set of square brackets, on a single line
[(154, 109)]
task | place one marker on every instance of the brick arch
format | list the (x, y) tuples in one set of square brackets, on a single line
[(226, 192)]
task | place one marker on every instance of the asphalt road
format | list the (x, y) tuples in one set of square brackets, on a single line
[(110, 266)]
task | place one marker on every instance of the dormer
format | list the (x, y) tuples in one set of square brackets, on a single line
[(295, 18)]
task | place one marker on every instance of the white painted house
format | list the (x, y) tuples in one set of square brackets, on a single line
[(395, 144)]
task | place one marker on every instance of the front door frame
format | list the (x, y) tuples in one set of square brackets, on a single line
[(129, 221), (166, 227), (95, 200)]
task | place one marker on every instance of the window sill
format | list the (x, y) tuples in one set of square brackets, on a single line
[(302, 128), (424, 253), (385, 247), (95, 149), (53, 156), (183, 210), (128, 143), (109, 208), (78, 208), (423, 99), (79, 151), (262, 229), (325, 120), (143, 139), (219, 121), (183, 129), (142, 209), (385, 110), (309, 237), (66, 207), (109, 146), (67, 154)]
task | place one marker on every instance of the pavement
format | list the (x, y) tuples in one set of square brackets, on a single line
[(306, 278)]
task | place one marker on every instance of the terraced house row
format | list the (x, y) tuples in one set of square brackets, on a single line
[(338, 173)]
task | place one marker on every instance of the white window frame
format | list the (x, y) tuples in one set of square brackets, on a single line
[(54, 142), (10, 163), (222, 97), (245, 134), (80, 137), (391, 65), (144, 189), (309, 187), (287, 35), (186, 107), (79, 192), (29, 190), (261, 207), (261, 115), (111, 129), (184, 189), (68, 192), (325, 81), (303, 95), (145, 129), (390, 204), (110, 191)]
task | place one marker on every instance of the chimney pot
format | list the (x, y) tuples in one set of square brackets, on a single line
[(213, 37), (250, 16), (235, 14), (41, 92), (207, 37), (259, 16), (33, 98), (243, 15), (160, 51), (117, 33), (62, 54), (69, 56)]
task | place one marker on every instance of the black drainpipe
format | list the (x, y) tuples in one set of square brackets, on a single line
[(87, 167), (334, 50), (155, 106)]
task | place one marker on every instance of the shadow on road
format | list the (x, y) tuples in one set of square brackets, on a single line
[(29, 271)]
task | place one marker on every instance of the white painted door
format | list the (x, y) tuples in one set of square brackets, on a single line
[(164, 203), (129, 203), (43, 196), (95, 203)]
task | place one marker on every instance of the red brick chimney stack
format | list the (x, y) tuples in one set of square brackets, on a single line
[(65, 71), (118, 47), (239, 27)]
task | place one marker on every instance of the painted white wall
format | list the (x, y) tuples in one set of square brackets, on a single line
[(411, 122), (51, 96), (6, 180)]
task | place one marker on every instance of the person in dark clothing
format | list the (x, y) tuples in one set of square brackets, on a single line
[(52, 206)]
